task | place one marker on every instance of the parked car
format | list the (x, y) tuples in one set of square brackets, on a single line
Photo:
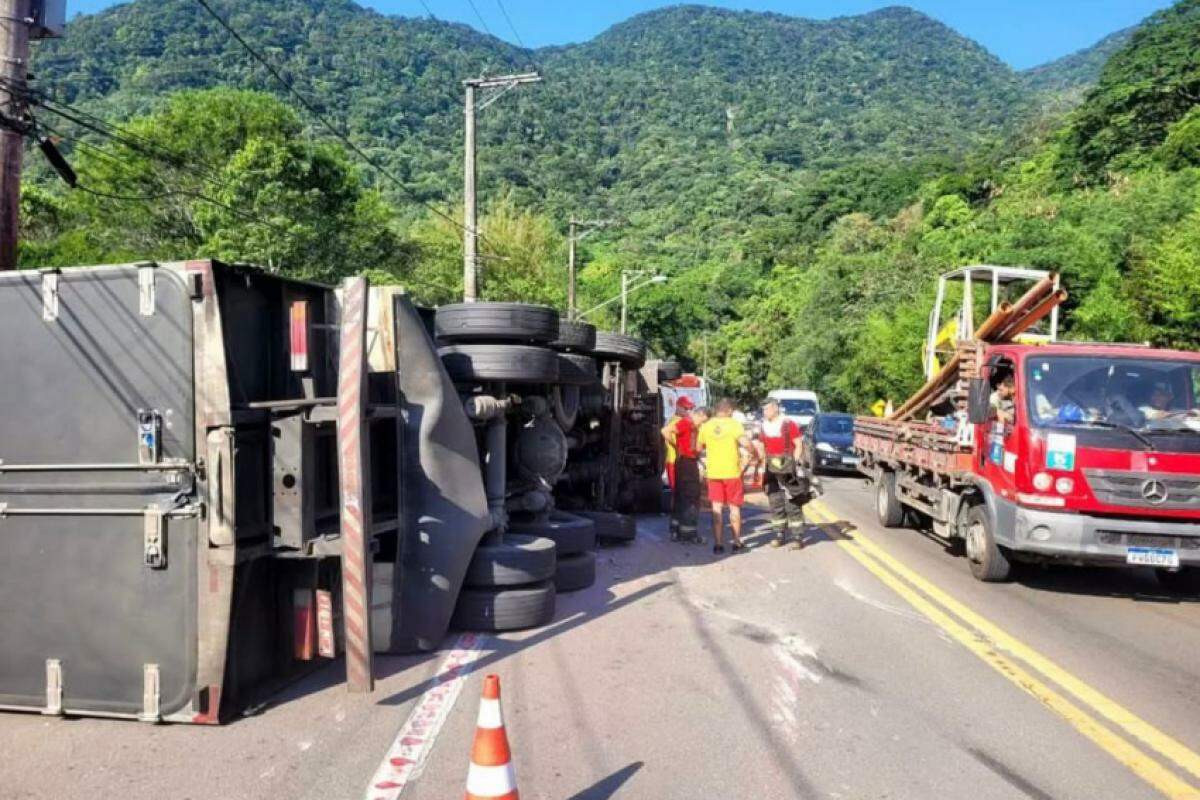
[(798, 405), (829, 443)]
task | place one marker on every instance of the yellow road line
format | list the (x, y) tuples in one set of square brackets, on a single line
[(1142, 765), (1115, 713)]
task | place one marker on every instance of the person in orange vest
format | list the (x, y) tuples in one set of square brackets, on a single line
[(787, 484)]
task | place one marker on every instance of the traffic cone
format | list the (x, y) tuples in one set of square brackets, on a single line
[(491, 776)]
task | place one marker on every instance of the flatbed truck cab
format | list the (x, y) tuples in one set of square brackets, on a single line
[(1096, 461)]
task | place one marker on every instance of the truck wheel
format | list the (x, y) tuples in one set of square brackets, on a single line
[(504, 608), (575, 572), (887, 501), (496, 322), (510, 363), (570, 533), (987, 560), (625, 350), (575, 337), (1182, 581), (611, 527), (511, 562), (576, 370)]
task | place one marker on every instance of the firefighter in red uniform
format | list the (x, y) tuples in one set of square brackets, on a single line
[(787, 484), (680, 434)]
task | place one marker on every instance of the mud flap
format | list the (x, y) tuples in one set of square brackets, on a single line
[(444, 505)]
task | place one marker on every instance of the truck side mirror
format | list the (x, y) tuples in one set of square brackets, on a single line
[(979, 401)]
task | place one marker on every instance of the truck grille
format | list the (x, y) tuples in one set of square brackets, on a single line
[(1145, 489), (1149, 540)]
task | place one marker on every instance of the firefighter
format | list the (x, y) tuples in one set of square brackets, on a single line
[(678, 428), (685, 499), (787, 484)]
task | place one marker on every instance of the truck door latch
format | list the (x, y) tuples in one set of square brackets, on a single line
[(154, 539)]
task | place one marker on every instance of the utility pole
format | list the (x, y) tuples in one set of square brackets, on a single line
[(590, 227), (15, 22), (492, 89), (624, 300)]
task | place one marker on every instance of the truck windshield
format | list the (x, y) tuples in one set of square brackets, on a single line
[(1142, 394), (795, 408)]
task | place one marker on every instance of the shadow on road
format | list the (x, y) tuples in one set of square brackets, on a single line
[(508, 647), (607, 787)]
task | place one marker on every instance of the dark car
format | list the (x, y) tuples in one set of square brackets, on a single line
[(829, 443)]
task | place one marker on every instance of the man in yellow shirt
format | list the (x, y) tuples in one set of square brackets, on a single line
[(723, 439)]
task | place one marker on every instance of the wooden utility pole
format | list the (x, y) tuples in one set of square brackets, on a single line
[(498, 85), (15, 22), (572, 240)]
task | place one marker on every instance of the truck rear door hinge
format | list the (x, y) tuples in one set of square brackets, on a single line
[(54, 688), (50, 295), (146, 288), (151, 694)]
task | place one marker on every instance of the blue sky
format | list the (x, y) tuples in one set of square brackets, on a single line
[(1022, 32)]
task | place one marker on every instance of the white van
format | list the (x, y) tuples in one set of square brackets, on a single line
[(798, 405)]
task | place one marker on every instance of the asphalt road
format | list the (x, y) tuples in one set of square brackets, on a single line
[(868, 665)]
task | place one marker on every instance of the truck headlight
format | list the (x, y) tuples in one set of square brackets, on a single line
[(825, 447), (1042, 482), (1064, 486)]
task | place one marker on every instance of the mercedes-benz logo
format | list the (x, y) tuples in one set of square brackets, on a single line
[(1154, 492)]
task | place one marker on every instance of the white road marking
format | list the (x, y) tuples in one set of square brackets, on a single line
[(845, 586), (406, 758)]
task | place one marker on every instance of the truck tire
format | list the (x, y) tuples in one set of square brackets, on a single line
[(1183, 581), (670, 370), (496, 322), (508, 363), (574, 337), (887, 501), (575, 572), (611, 527), (513, 561), (576, 370), (570, 533), (987, 560), (625, 350), (504, 608)]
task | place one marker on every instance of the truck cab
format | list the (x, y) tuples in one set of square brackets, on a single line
[(1098, 459)]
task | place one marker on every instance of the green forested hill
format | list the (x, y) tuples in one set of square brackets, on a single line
[(1078, 71), (688, 98), (800, 181)]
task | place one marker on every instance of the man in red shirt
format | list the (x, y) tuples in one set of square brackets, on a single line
[(787, 490), (685, 490)]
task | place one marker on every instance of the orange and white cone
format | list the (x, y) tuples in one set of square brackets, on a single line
[(491, 776)]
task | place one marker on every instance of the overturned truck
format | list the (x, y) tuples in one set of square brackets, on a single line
[(183, 449), (170, 543)]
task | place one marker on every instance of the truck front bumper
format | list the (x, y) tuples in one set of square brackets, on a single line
[(1083, 539)]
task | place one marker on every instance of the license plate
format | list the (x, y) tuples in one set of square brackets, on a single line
[(851, 461), (1152, 557)]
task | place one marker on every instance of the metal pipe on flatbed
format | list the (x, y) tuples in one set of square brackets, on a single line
[(1034, 316)]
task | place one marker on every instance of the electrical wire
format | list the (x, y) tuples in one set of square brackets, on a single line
[(512, 27), (428, 10), (326, 122), (482, 21)]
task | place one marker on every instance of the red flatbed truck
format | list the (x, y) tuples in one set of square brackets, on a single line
[(1100, 464)]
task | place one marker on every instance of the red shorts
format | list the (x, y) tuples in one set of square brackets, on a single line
[(727, 491), (671, 475)]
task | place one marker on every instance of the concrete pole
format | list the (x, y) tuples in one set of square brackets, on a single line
[(571, 278), (624, 301), (470, 210), (14, 68)]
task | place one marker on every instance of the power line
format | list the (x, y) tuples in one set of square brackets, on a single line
[(428, 10), (323, 119), (508, 19), (482, 21)]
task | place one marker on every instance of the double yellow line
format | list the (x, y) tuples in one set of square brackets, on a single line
[(1022, 665)]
